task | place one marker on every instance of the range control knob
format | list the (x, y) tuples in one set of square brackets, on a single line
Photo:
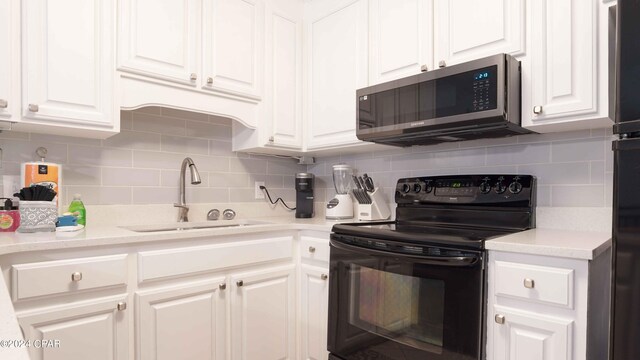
[(417, 187), (515, 187), (485, 187), (500, 187), (428, 187), (406, 188)]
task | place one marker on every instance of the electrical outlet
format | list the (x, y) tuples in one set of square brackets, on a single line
[(259, 192)]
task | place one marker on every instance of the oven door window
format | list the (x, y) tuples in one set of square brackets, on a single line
[(407, 309)]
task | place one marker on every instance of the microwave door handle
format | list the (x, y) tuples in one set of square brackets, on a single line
[(457, 261)]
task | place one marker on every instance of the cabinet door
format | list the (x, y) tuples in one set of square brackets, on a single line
[(68, 62), (9, 58), (234, 46), (401, 38), (93, 329), (563, 61), (469, 29), (263, 314), (159, 38), (184, 321), (314, 298), (530, 336), (284, 64), (337, 58)]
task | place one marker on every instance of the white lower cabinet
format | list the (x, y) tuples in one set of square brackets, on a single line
[(184, 321), (314, 296), (522, 335), (547, 308), (314, 299), (96, 329), (263, 314)]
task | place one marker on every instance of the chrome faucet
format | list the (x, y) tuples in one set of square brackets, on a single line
[(183, 209)]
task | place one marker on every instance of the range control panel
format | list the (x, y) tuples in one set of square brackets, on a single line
[(511, 190)]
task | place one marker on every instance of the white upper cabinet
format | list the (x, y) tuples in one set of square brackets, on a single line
[(336, 57), (9, 59), (569, 66), (159, 38), (234, 46), (67, 63), (468, 29), (284, 64), (401, 38)]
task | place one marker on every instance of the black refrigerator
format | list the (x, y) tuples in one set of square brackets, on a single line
[(625, 334)]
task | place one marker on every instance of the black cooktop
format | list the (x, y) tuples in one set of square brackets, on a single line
[(460, 211)]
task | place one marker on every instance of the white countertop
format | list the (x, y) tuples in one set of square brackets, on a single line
[(559, 243)]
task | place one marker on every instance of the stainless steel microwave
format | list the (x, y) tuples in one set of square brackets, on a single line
[(476, 99)]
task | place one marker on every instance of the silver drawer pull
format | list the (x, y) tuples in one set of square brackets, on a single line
[(537, 109), (499, 319), (193, 77), (34, 107), (240, 283), (442, 63), (4, 104), (122, 306), (76, 276), (529, 283), (222, 286), (312, 249), (324, 276), (424, 68), (209, 80)]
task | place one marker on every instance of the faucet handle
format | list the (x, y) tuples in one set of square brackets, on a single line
[(213, 214), (228, 214)]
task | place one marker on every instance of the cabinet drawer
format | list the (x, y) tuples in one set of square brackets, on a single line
[(67, 276), (314, 249), (158, 264), (542, 284)]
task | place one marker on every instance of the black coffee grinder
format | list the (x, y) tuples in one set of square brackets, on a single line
[(304, 195)]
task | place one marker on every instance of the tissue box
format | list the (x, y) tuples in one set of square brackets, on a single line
[(36, 216)]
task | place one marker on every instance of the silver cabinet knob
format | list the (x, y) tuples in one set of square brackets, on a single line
[(193, 77), (271, 139), (424, 68), (240, 283), (4, 104), (76, 276), (537, 109), (213, 214), (442, 63), (222, 286), (33, 108), (122, 306), (529, 283), (312, 249), (500, 319), (324, 276), (209, 80), (228, 214)]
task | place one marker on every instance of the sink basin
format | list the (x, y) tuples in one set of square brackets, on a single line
[(218, 224)]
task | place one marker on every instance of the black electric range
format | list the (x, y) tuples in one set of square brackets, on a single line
[(414, 288)]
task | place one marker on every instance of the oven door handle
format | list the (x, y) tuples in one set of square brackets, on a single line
[(458, 261)]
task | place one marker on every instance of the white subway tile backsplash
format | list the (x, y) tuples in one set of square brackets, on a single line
[(158, 124), (134, 140), (82, 175), (221, 148), (208, 130), (577, 195), (283, 167), (185, 145), (229, 180), (64, 139), (99, 156), (24, 151), (130, 177), (518, 154), (578, 150), (171, 178), (252, 166), (98, 195), (157, 160), (185, 115), (597, 172)]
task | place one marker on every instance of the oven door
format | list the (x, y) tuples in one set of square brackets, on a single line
[(389, 300)]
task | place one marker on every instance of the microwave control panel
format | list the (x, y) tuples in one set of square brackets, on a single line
[(484, 82)]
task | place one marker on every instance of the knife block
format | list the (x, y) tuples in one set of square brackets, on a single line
[(377, 210)]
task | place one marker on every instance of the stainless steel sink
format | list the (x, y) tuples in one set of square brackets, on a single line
[(194, 225)]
